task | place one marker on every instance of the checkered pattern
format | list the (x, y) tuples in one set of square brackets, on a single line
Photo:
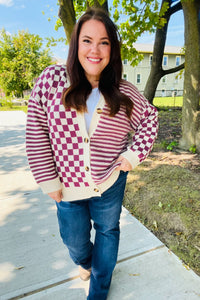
[(143, 121), (67, 146), (55, 142)]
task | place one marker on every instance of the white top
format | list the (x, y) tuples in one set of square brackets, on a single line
[(92, 101)]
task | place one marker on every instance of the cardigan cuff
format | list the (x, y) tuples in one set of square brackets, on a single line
[(51, 185), (132, 157)]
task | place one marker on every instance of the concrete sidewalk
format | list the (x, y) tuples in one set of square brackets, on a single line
[(34, 263)]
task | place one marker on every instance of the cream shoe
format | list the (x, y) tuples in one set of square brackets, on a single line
[(84, 274)]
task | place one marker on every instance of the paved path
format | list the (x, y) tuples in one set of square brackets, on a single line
[(34, 263)]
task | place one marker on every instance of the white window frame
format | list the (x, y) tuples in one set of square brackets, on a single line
[(163, 92), (140, 77), (175, 79), (164, 79), (125, 75), (178, 58), (165, 57)]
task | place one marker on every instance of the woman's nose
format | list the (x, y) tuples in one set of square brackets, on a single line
[(94, 47)]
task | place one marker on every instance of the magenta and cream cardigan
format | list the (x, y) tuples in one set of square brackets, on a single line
[(63, 155)]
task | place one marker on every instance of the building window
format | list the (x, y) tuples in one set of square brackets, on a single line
[(165, 59), (150, 59), (174, 93), (138, 80), (178, 60), (125, 61), (163, 93), (125, 76), (176, 79)]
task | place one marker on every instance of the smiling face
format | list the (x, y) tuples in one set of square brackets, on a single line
[(93, 50)]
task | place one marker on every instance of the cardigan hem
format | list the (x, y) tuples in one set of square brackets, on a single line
[(82, 193), (50, 185)]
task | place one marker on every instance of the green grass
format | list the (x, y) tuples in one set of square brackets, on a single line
[(168, 101), (7, 105), (165, 198), (160, 102), (16, 108)]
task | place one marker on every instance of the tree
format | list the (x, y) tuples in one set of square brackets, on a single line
[(133, 18), (157, 72), (191, 95), (145, 17), (22, 59), (67, 15), (69, 10)]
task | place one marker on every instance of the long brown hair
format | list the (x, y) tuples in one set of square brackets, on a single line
[(80, 88)]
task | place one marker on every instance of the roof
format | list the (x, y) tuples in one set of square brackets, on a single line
[(59, 61), (148, 48)]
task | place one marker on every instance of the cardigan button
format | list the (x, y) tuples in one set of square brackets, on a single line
[(96, 190), (99, 110), (87, 168), (86, 140)]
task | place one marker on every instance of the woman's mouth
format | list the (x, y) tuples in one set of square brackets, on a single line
[(94, 60)]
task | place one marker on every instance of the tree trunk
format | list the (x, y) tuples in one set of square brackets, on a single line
[(67, 15), (191, 96), (157, 71)]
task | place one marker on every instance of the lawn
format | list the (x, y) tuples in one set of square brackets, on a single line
[(168, 102), (6, 104), (14, 107), (160, 102), (163, 192)]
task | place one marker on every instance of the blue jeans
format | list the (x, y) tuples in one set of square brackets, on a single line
[(75, 225)]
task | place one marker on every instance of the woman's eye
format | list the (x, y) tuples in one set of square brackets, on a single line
[(105, 43), (86, 41)]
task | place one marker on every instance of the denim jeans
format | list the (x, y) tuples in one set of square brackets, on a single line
[(74, 220)]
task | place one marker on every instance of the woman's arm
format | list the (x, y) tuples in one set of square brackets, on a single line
[(144, 121), (38, 144)]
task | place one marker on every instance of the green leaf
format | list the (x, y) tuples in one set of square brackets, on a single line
[(22, 58)]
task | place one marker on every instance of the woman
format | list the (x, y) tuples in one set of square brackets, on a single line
[(79, 118)]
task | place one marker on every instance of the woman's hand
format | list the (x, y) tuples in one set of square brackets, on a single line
[(57, 195), (125, 164)]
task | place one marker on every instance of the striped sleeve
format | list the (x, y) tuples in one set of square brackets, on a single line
[(144, 121), (38, 145)]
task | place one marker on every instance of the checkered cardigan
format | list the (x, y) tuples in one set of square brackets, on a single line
[(62, 154)]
